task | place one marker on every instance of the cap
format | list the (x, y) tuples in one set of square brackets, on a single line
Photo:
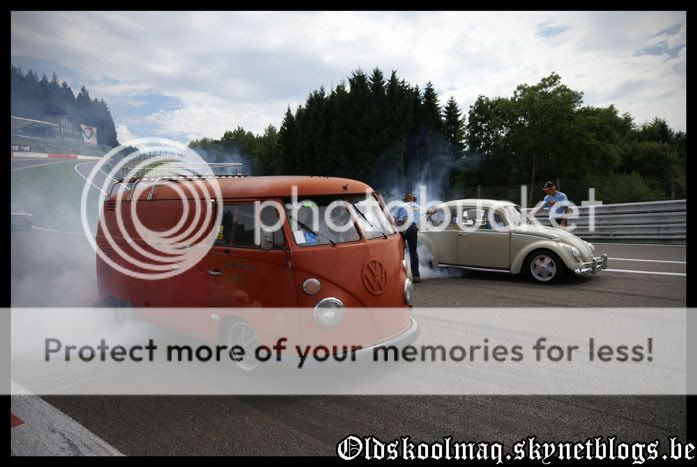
[(548, 184)]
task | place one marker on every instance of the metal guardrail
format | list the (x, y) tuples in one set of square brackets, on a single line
[(648, 221)]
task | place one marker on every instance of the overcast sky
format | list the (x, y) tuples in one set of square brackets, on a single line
[(187, 75)]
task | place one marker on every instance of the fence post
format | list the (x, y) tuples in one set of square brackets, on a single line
[(479, 191)]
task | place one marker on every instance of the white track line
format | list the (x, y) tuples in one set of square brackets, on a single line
[(88, 180), (649, 260), (82, 234), (46, 431), (648, 272), (637, 244), (106, 174), (38, 165)]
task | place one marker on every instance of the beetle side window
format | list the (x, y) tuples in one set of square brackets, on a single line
[(499, 220), (472, 217), (480, 218), (441, 217)]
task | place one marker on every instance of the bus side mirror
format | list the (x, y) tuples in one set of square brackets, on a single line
[(266, 240)]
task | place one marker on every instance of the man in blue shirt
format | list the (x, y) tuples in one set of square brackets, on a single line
[(412, 213), (557, 203)]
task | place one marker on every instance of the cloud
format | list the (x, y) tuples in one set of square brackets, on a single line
[(110, 88), (670, 42), (193, 74), (549, 30)]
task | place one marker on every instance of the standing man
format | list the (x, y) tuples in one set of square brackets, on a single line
[(411, 213), (557, 203)]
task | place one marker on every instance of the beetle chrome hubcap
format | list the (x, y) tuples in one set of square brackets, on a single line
[(543, 268)]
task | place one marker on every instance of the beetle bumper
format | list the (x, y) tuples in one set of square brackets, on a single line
[(592, 267)]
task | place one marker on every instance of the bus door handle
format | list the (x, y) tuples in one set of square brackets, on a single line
[(214, 272)]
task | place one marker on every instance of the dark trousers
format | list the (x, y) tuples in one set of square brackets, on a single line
[(410, 235)]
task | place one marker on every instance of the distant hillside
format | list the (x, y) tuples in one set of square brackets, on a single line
[(42, 99)]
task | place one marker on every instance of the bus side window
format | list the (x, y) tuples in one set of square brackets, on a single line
[(237, 227), (224, 235), (269, 216), (243, 226)]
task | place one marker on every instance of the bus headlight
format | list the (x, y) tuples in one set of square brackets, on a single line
[(408, 287), (328, 312)]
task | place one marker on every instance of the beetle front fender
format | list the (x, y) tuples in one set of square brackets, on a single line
[(543, 244)]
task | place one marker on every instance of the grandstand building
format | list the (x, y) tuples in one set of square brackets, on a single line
[(53, 134)]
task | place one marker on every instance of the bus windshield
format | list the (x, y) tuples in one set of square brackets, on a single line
[(324, 220), (371, 218)]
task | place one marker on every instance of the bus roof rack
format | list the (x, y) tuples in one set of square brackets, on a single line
[(182, 169), (179, 171)]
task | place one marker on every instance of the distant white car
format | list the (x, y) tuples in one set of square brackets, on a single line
[(497, 236), (20, 219)]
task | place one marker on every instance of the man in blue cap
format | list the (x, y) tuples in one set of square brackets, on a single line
[(557, 203), (412, 213)]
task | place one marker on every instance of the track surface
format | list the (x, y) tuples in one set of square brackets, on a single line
[(313, 425)]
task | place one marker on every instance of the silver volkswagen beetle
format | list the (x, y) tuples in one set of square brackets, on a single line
[(493, 235)]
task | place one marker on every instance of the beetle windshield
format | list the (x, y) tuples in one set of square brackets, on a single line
[(515, 215)]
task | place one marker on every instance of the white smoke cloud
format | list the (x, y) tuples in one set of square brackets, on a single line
[(123, 134)]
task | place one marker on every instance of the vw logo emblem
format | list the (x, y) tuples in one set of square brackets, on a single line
[(374, 276)]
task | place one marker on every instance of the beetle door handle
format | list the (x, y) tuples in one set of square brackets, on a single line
[(214, 272), (463, 234)]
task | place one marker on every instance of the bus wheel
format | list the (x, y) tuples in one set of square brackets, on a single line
[(240, 333), (123, 311)]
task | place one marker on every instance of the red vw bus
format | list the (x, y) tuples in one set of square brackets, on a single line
[(302, 263)]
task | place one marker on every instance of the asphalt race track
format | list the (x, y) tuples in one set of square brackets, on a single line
[(639, 276), (652, 283)]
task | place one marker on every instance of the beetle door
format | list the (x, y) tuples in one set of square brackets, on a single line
[(481, 243), (444, 237)]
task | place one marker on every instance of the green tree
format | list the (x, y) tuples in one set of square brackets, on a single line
[(287, 139), (454, 128), (394, 135), (544, 126), (430, 110), (44, 98)]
